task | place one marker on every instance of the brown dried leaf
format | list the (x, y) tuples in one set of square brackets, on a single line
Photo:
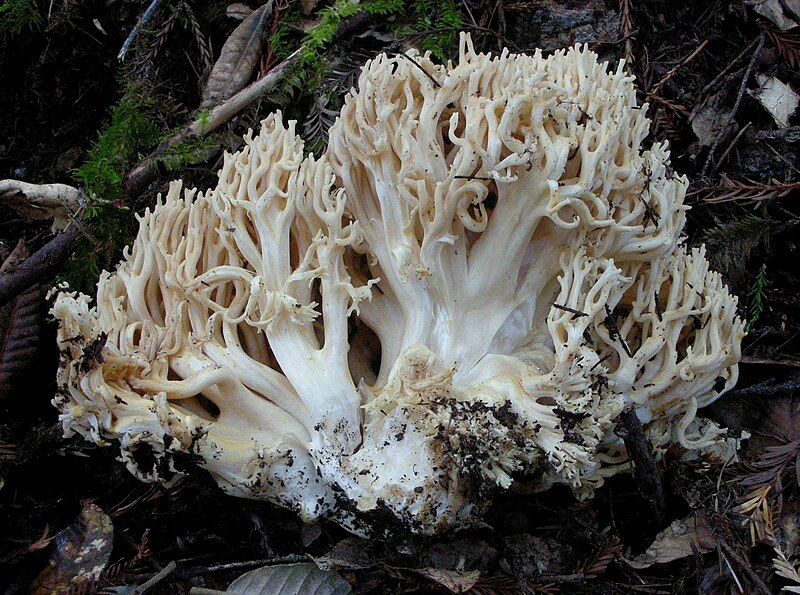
[(787, 44), (781, 12), (237, 60), (777, 427), (351, 553), (711, 119), (675, 542), (308, 6), (238, 11), (81, 554), (455, 581), (20, 329), (17, 257), (290, 579)]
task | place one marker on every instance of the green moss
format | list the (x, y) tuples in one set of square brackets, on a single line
[(129, 130), (331, 18), (188, 153), (431, 25), (434, 24), (17, 16), (108, 218)]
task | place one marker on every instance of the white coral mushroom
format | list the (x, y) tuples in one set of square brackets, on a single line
[(491, 233)]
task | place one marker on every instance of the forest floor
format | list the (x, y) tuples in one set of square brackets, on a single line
[(74, 113)]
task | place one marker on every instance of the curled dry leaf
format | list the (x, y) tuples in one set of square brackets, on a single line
[(16, 257), (675, 542), (237, 60), (81, 553), (20, 329)]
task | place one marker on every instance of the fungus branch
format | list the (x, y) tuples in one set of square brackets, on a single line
[(474, 282)]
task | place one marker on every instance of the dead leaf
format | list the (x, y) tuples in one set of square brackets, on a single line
[(17, 257), (81, 553), (456, 581), (675, 542), (784, 13), (309, 534), (777, 424), (777, 97), (20, 329), (237, 60), (307, 6), (352, 553), (238, 11), (710, 119), (42, 542), (290, 579)]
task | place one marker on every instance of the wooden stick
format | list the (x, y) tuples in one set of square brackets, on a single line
[(729, 119), (647, 473), (41, 266), (146, 171)]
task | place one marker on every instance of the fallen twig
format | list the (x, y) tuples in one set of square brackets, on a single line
[(730, 190), (742, 87), (187, 573), (765, 389), (42, 201), (727, 69), (559, 579), (137, 27), (744, 565), (735, 140), (157, 578), (671, 104), (795, 363), (179, 573), (146, 170), (41, 266), (626, 30), (657, 88), (647, 473)]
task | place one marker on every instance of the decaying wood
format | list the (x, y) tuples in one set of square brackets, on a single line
[(58, 202), (769, 389), (40, 267), (647, 473), (146, 171)]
